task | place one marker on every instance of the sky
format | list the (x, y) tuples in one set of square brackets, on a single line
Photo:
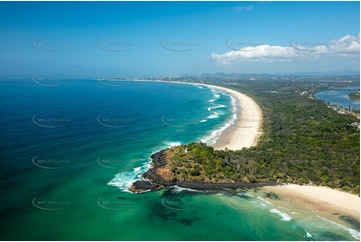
[(136, 39)]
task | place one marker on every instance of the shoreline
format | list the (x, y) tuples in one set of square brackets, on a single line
[(245, 131), (303, 200), (322, 201), (159, 176)]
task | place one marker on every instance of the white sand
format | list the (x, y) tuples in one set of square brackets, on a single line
[(318, 199), (246, 130), (245, 133)]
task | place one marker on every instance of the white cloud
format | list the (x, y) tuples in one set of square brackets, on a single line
[(345, 46), (261, 52), (242, 8)]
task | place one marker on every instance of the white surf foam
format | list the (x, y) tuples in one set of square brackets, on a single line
[(355, 234), (177, 189), (137, 169), (263, 200), (215, 95), (284, 216), (213, 135), (216, 107), (171, 144), (125, 179), (245, 194), (214, 115)]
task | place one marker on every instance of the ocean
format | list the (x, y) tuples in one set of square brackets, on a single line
[(71, 148)]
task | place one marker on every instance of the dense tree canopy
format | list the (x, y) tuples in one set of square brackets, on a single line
[(303, 142)]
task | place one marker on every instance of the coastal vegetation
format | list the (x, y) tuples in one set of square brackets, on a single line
[(303, 142)]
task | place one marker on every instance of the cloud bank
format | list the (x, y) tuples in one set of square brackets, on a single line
[(346, 46)]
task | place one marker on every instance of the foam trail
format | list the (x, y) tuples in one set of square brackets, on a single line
[(265, 201), (244, 194), (284, 216), (214, 115), (216, 107), (125, 179), (355, 234), (211, 138), (177, 189), (171, 144)]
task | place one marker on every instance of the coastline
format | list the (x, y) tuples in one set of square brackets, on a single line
[(323, 201), (244, 133), (160, 176), (246, 129)]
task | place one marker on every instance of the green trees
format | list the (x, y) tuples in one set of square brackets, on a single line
[(303, 142)]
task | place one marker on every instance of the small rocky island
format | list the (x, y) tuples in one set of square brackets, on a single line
[(185, 166)]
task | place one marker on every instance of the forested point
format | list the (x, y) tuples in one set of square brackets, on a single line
[(303, 142)]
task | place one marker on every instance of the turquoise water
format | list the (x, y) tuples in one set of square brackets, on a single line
[(340, 97), (70, 150)]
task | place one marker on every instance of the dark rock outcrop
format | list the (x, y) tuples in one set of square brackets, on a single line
[(154, 181), (219, 186), (158, 161), (141, 186)]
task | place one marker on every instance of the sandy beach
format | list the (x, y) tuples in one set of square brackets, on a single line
[(245, 131), (323, 201)]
